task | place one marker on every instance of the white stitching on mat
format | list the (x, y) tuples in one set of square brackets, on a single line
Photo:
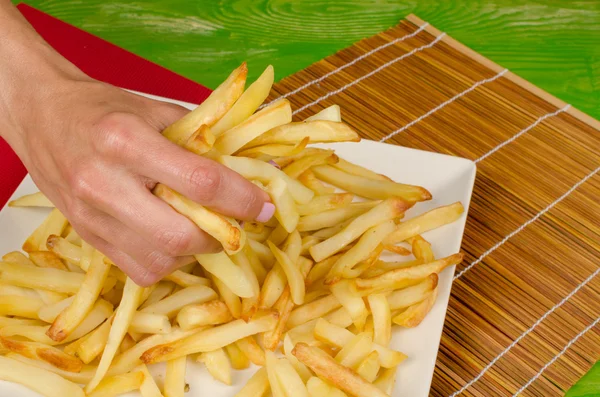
[(524, 334), (529, 222), (579, 335), (339, 69), (371, 73), (449, 101), (523, 131)]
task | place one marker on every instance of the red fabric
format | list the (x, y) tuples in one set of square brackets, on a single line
[(103, 61)]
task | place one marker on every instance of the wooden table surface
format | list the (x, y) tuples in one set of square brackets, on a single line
[(554, 44)]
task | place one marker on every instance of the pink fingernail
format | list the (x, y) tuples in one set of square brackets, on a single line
[(266, 213), (274, 164)]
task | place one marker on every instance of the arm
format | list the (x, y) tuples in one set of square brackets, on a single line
[(96, 151)]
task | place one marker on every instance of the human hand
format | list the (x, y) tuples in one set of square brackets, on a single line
[(96, 151)]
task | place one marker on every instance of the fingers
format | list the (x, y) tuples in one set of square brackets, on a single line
[(124, 197), (201, 179), (140, 261)]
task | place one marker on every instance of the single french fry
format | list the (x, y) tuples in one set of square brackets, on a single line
[(331, 113), (277, 389), (148, 388), (284, 306), (327, 368), (382, 319), (386, 210), (21, 306), (334, 217), (403, 298), (94, 344), (370, 188), (310, 180), (379, 267), (40, 351), (161, 291), (47, 259), (278, 235), (351, 301), (175, 384), (366, 245), (274, 115), (257, 170), (238, 359), (212, 109), (222, 267), (250, 304), (275, 149), (37, 379), (356, 351), (150, 323), (217, 364), (247, 103), (64, 249), (82, 377), (84, 300), (386, 380), (48, 313), (71, 235), (132, 294), (18, 258), (186, 280), (285, 208), (413, 316), (295, 169), (369, 367), (356, 169), (55, 223), (233, 302), (406, 276), (226, 230), (100, 312), (55, 280), (209, 313), (396, 249), (263, 253), (211, 339), (325, 203), (32, 200), (170, 305), (272, 287), (130, 358), (339, 337), (292, 273), (252, 350), (11, 321), (287, 375), (428, 221), (313, 310), (421, 249), (256, 386), (201, 141), (118, 384), (318, 131)]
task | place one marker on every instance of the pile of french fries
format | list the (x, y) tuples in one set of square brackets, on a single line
[(306, 296)]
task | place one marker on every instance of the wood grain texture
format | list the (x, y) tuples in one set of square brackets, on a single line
[(506, 293), (553, 44)]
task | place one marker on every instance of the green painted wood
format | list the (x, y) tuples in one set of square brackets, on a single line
[(588, 386), (555, 44)]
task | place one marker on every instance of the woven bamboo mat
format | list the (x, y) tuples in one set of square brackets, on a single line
[(524, 312)]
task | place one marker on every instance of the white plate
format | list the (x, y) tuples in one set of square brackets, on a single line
[(449, 179)]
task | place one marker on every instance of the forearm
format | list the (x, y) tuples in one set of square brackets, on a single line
[(29, 69)]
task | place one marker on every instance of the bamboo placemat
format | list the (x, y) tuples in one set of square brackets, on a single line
[(524, 313)]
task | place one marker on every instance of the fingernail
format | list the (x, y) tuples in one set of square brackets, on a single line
[(274, 164), (266, 213)]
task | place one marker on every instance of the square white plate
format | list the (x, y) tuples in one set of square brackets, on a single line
[(449, 179)]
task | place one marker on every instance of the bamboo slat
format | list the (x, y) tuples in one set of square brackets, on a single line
[(554, 241)]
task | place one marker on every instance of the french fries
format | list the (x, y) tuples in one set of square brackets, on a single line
[(32, 200), (311, 279)]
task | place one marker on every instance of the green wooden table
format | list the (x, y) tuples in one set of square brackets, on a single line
[(554, 44)]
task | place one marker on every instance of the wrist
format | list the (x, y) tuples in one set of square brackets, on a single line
[(31, 75)]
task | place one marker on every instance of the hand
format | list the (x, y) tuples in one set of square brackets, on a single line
[(96, 151)]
